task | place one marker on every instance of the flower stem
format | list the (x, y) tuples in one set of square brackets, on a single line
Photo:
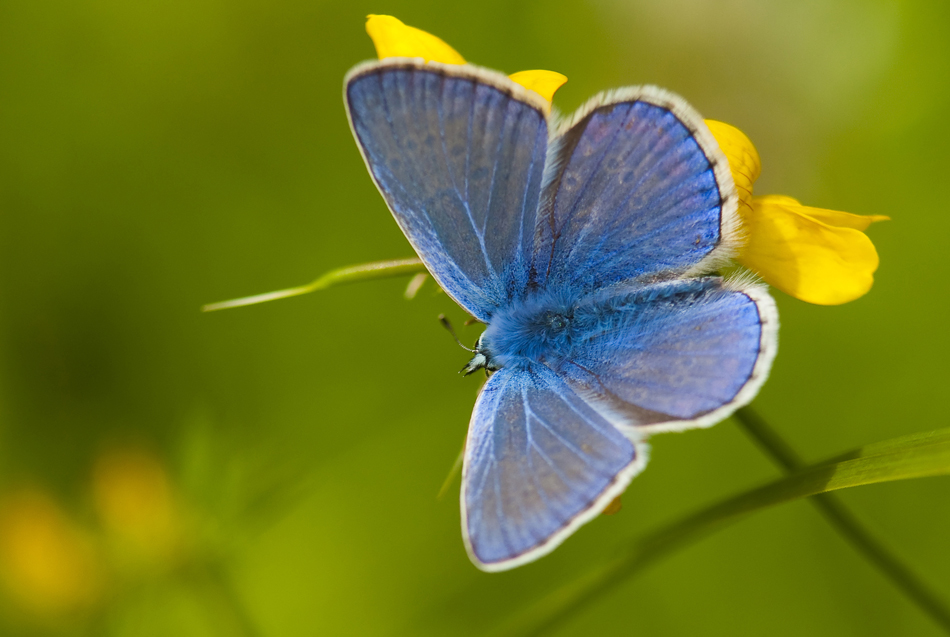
[(845, 522), (232, 616)]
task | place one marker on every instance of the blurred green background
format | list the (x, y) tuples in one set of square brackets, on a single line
[(273, 470)]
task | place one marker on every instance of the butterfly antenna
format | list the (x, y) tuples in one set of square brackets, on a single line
[(448, 326)]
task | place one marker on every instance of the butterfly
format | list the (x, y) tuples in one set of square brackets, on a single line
[(586, 248)]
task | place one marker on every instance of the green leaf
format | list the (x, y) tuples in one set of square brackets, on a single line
[(915, 456), (349, 274)]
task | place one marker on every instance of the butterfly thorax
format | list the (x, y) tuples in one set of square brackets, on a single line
[(527, 332)]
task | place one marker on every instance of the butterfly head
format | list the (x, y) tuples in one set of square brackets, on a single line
[(483, 359)]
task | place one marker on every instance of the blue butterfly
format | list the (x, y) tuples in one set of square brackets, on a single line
[(585, 248)]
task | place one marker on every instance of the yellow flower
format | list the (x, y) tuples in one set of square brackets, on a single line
[(392, 38), (133, 496), (48, 565), (816, 255)]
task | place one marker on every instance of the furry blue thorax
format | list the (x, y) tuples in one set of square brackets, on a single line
[(549, 325)]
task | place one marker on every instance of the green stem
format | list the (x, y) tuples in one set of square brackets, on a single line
[(233, 618), (454, 471), (349, 274), (845, 522)]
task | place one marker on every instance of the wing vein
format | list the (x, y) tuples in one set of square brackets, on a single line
[(567, 444), (448, 171), (580, 195), (494, 169)]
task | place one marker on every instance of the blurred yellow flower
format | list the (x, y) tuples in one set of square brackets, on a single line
[(133, 496), (816, 255), (392, 38), (48, 565)]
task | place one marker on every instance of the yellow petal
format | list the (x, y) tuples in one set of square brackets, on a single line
[(544, 83), (830, 217), (780, 199), (392, 39), (805, 257), (743, 160)]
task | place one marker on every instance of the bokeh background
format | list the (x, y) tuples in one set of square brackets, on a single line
[(273, 470)]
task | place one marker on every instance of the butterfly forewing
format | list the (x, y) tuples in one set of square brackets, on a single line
[(458, 153), (636, 190)]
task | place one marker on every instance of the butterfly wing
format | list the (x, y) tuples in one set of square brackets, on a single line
[(539, 462), (458, 154), (636, 189), (671, 356)]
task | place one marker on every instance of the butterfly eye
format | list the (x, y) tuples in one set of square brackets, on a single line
[(557, 321)]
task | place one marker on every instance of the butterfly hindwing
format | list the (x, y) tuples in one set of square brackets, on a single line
[(458, 154), (636, 190), (539, 462), (673, 355)]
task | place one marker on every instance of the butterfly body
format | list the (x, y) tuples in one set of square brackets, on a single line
[(530, 331), (586, 247)]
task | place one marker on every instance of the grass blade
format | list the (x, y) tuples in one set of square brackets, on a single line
[(846, 523)]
